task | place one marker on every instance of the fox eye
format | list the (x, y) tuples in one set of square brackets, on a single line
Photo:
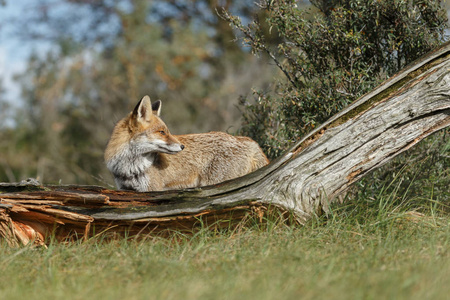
[(162, 132)]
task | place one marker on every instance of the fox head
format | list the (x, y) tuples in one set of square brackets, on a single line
[(150, 133)]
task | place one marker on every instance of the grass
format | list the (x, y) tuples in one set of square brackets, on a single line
[(359, 252), (389, 241)]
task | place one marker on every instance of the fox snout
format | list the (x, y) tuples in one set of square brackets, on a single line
[(177, 147), (173, 144), (171, 148)]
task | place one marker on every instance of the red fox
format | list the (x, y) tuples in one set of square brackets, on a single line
[(143, 155)]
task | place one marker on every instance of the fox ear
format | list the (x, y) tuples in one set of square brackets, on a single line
[(156, 107), (142, 111)]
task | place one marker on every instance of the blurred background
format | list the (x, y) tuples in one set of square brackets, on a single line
[(69, 70)]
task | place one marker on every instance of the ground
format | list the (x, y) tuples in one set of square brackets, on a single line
[(361, 250)]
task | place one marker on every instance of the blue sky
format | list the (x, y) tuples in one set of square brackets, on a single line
[(13, 50), (12, 55)]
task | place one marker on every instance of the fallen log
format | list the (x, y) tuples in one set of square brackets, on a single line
[(301, 183)]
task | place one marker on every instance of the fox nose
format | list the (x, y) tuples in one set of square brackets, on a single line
[(182, 147)]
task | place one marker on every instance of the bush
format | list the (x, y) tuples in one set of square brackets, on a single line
[(330, 56)]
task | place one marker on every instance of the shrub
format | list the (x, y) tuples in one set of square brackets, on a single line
[(330, 56)]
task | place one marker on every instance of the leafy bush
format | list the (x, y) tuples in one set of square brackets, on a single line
[(330, 58)]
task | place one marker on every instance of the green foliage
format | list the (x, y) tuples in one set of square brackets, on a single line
[(107, 54), (331, 58), (73, 94)]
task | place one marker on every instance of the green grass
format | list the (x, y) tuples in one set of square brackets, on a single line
[(364, 250)]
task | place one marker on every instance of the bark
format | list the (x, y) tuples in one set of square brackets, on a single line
[(385, 122)]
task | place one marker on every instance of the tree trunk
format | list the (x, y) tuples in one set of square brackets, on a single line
[(387, 121)]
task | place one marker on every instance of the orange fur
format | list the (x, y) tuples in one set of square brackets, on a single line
[(175, 161)]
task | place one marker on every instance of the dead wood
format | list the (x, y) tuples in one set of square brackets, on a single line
[(380, 125)]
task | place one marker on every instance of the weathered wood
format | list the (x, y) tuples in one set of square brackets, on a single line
[(387, 121), (80, 199)]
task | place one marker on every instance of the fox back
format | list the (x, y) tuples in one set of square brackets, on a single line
[(144, 156)]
